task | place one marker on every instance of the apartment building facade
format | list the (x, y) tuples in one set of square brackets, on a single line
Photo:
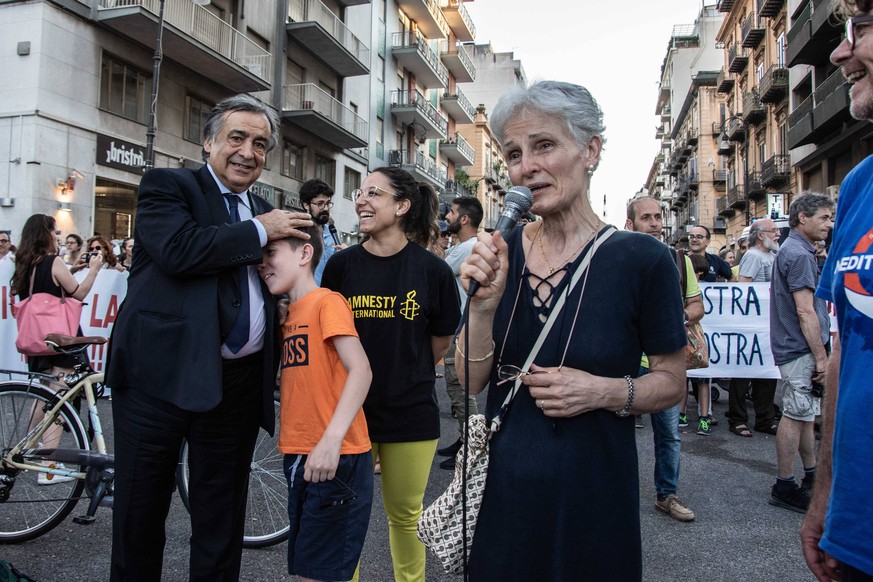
[(825, 142), (683, 174), (754, 137), (357, 84)]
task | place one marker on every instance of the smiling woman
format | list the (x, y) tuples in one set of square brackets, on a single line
[(405, 303)]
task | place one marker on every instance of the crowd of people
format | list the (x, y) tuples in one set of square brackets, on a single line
[(575, 328)]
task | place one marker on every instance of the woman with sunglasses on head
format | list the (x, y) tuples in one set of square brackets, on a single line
[(561, 501), (406, 308)]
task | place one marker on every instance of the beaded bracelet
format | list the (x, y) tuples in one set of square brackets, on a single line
[(482, 359)]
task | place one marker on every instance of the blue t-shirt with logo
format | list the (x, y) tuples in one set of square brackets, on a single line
[(847, 281)]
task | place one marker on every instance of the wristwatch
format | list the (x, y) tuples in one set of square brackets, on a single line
[(624, 412)]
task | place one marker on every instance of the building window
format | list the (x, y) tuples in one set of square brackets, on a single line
[(123, 90), (352, 181), (780, 50), (325, 169), (292, 161), (196, 113)]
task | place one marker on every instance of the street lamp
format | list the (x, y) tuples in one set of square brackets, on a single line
[(723, 138), (156, 77)]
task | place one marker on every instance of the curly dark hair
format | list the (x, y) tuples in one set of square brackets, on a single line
[(38, 240)]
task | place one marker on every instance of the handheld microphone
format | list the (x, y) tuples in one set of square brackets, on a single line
[(333, 233), (516, 203)]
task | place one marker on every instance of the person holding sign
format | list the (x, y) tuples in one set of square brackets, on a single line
[(799, 338)]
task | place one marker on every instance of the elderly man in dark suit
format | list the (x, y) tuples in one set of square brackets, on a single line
[(192, 352)]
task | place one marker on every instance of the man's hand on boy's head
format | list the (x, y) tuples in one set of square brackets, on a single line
[(284, 223)]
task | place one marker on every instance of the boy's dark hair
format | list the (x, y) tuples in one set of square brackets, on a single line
[(700, 264), (315, 239), (312, 188), (470, 207)]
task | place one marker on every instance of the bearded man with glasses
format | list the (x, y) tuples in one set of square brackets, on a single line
[(315, 197), (836, 539)]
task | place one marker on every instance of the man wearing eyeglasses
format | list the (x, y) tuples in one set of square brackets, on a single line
[(756, 266), (698, 241), (5, 245), (836, 534), (315, 197)]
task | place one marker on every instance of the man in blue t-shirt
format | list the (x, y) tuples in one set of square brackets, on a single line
[(836, 534), (315, 197)]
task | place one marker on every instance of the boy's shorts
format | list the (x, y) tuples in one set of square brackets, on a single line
[(329, 519)]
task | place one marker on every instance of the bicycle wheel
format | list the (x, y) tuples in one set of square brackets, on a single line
[(267, 504), (33, 509)]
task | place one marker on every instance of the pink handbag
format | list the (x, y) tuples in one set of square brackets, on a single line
[(42, 314)]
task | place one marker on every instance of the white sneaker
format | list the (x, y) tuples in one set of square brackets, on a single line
[(50, 479)]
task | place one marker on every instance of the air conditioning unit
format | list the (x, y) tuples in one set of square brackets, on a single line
[(832, 192), (720, 224)]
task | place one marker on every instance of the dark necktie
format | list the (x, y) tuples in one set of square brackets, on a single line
[(239, 333)]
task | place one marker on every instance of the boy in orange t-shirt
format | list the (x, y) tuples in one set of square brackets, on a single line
[(322, 430)]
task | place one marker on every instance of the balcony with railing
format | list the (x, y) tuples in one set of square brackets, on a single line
[(735, 129), (312, 109), (195, 38), (413, 53), (738, 58), (411, 107), (719, 177), (801, 125), (776, 171), (769, 8), (722, 207), (457, 61), (752, 31), (754, 187), (459, 20), (427, 16), (831, 105), (754, 111), (773, 86), (692, 135), (318, 30), (812, 36), (458, 107), (457, 149), (724, 82), (724, 5), (422, 167), (736, 197)]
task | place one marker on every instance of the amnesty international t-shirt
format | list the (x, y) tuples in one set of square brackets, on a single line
[(399, 303), (313, 376)]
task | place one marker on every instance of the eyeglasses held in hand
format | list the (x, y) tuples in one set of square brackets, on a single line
[(850, 28), (509, 373), (322, 205), (370, 193), (344, 500)]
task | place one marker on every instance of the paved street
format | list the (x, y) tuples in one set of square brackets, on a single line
[(725, 480)]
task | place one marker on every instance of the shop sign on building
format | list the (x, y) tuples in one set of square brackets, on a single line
[(120, 154)]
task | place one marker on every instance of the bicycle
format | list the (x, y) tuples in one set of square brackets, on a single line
[(41, 482)]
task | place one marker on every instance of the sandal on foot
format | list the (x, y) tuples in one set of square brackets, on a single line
[(769, 429), (741, 430)]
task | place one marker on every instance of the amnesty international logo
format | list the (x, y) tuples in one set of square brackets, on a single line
[(410, 308)]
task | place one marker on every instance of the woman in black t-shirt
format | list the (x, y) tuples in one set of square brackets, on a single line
[(406, 309)]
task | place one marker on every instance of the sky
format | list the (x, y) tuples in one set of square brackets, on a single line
[(613, 48)]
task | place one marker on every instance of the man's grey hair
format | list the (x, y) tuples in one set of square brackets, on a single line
[(755, 232), (573, 104), (807, 203), (241, 102)]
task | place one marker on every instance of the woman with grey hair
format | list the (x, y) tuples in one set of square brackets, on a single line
[(562, 496)]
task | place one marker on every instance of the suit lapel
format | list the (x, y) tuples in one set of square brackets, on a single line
[(212, 196)]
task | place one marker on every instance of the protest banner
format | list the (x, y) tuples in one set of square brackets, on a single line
[(736, 322)]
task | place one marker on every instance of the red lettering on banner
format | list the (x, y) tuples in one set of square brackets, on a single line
[(98, 356), (108, 316)]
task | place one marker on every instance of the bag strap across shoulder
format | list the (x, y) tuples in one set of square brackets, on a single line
[(550, 322)]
